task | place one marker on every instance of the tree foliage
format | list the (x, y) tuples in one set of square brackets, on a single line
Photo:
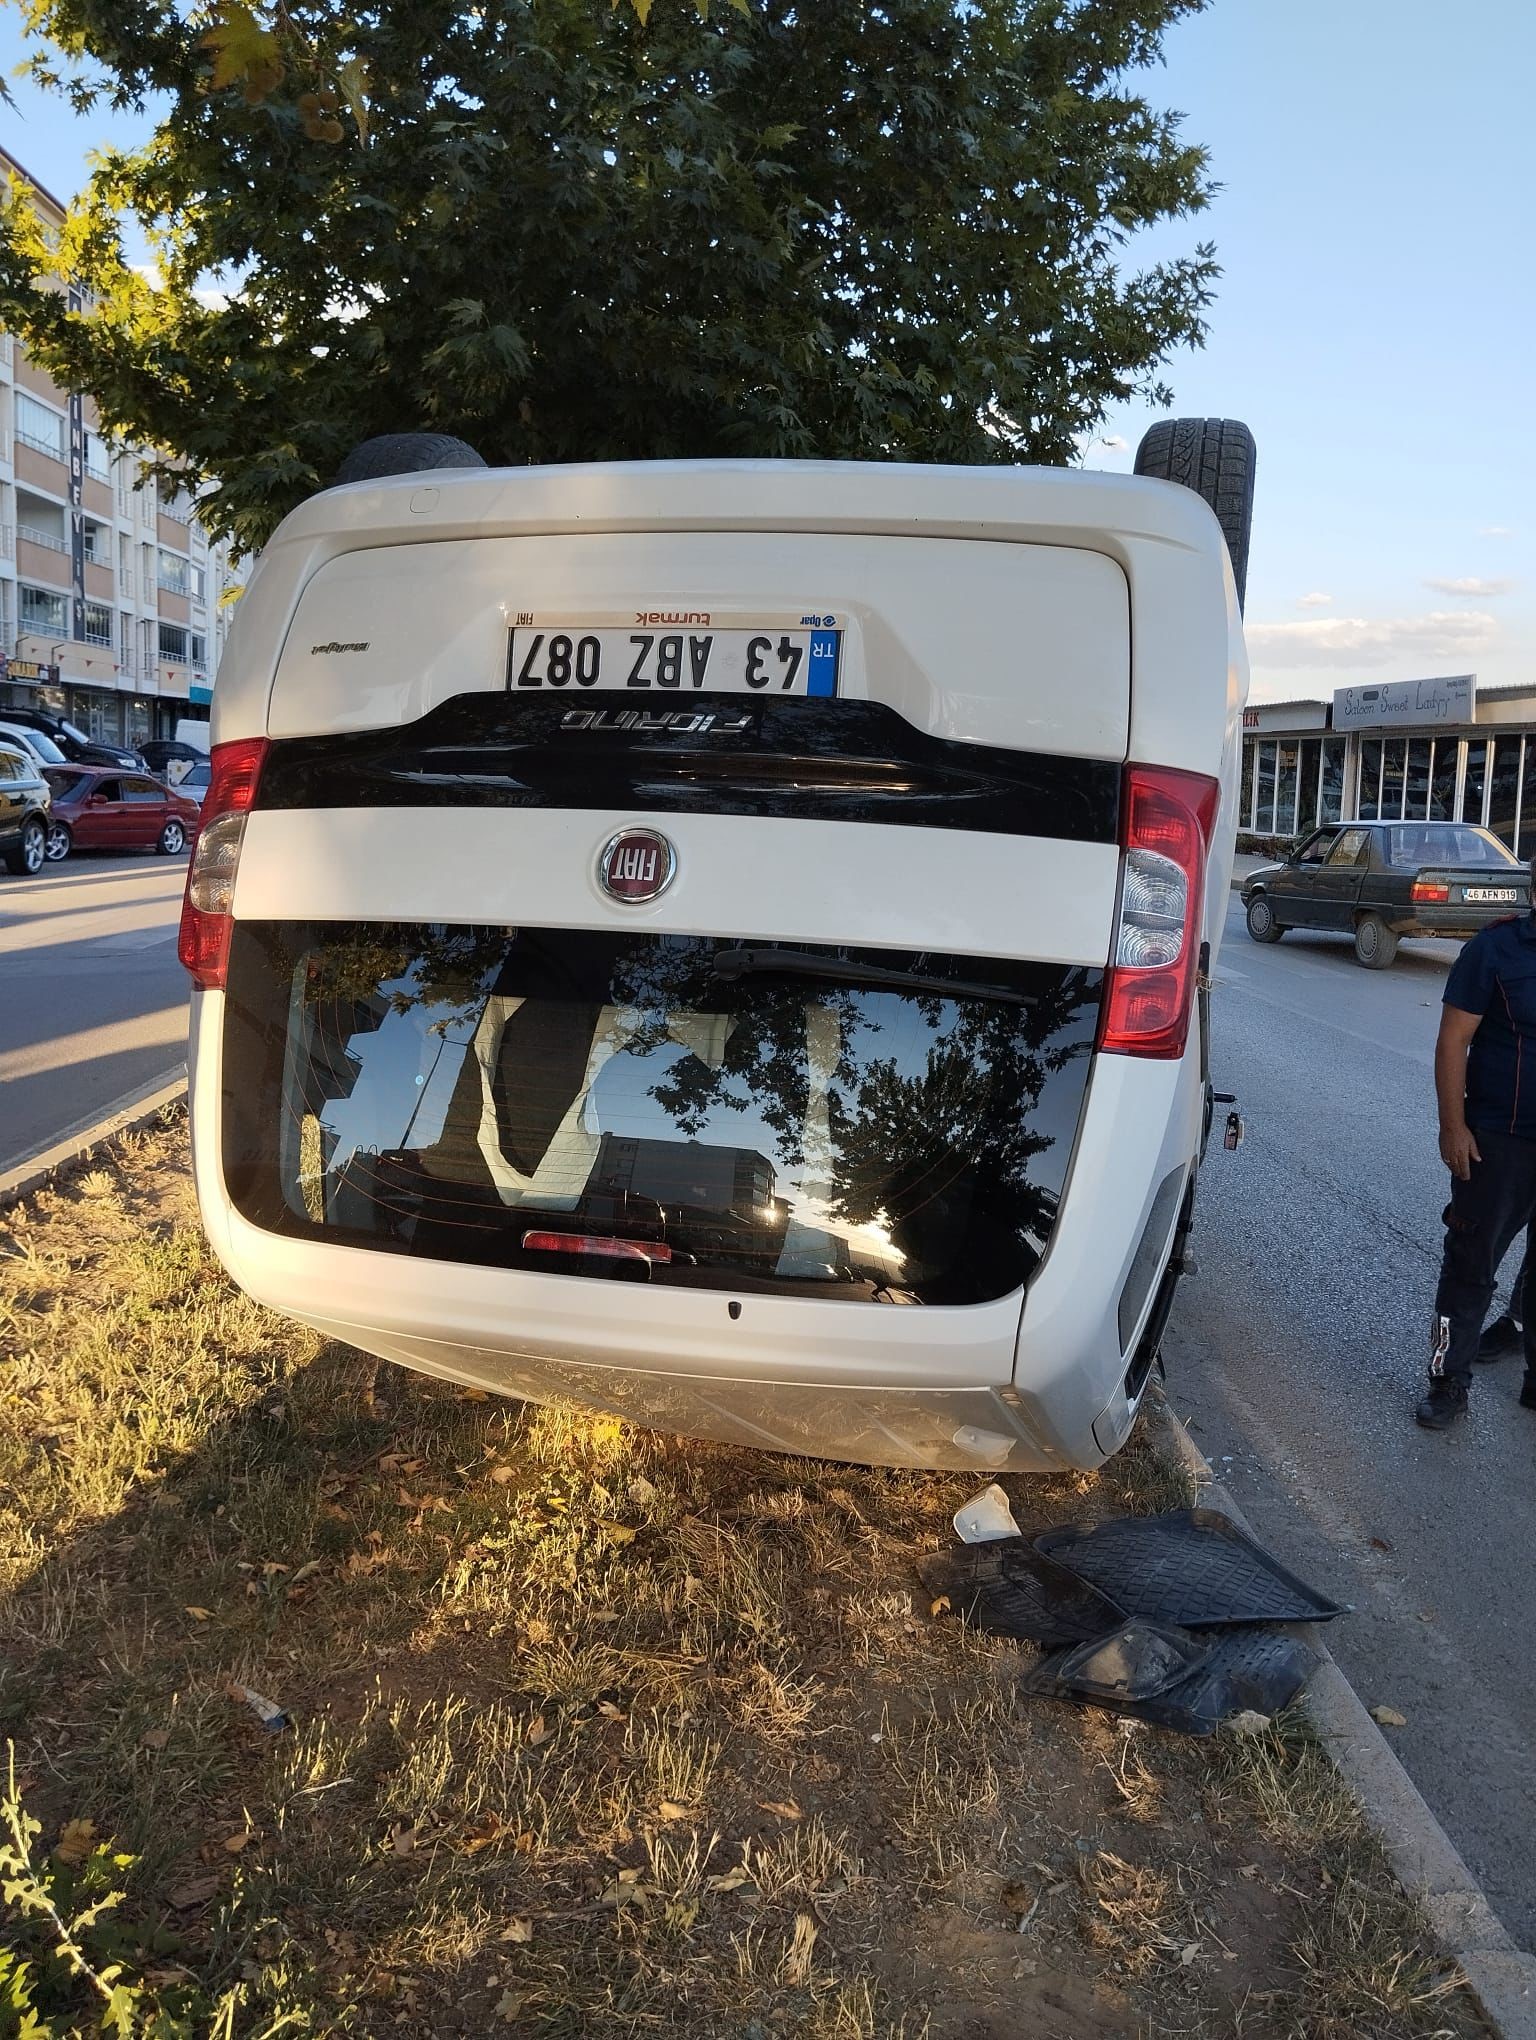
[(571, 229)]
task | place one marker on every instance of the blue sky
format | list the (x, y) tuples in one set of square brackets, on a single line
[(1374, 324)]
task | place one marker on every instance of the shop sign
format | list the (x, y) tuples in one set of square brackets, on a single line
[(1407, 704)]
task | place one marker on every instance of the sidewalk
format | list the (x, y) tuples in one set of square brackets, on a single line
[(1245, 863)]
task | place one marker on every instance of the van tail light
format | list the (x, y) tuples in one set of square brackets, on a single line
[(1167, 819), (206, 924), (1426, 895)]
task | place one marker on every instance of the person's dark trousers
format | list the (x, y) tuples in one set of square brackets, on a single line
[(1481, 1220)]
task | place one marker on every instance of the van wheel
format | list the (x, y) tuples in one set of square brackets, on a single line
[(1262, 925), (1215, 457), (1375, 943), (26, 860), (404, 453)]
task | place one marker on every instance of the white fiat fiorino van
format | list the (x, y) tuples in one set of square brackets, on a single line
[(724, 942)]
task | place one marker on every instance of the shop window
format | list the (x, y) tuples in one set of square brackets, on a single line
[(1472, 790), (1368, 807), (1442, 780), (1330, 806), (1527, 844), (1416, 785), (1504, 788), (1245, 797), (1264, 817), (1393, 757), (1285, 789), (1306, 808)]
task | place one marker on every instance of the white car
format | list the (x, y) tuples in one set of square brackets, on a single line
[(722, 941)]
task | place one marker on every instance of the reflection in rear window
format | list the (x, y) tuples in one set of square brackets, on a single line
[(1445, 843), (617, 1107), (64, 784)]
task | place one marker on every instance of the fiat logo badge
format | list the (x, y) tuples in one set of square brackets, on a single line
[(636, 865)]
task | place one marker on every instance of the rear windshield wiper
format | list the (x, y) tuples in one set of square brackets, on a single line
[(732, 964)]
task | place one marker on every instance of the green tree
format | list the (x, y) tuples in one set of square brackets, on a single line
[(571, 230)]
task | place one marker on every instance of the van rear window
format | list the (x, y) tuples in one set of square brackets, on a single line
[(859, 1124)]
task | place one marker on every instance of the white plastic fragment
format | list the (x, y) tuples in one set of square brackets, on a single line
[(267, 1712), (985, 1518)]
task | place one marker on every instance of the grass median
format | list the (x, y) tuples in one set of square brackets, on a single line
[(583, 1730)]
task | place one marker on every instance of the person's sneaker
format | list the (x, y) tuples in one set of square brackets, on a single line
[(1503, 1336), (1445, 1402), (1528, 1392)]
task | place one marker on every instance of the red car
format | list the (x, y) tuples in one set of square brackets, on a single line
[(98, 807)]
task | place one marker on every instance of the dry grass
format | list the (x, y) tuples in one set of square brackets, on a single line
[(590, 1732)]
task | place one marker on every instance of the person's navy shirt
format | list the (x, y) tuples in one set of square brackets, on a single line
[(1495, 977)]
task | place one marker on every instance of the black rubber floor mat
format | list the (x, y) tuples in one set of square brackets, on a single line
[(1191, 1566), (1164, 1675), (1010, 1589)]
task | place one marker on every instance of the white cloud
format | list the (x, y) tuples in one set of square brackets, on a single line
[(1495, 531), (1316, 600), (1356, 641), (1115, 443), (1470, 584)]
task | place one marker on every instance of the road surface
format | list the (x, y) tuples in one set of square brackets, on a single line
[(1298, 1350), (93, 1004)]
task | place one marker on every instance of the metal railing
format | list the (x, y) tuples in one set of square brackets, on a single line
[(53, 448), (36, 536)]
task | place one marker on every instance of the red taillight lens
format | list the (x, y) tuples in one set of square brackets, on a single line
[(203, 945), (1166, 830), (596, 1243), (1430, 895)]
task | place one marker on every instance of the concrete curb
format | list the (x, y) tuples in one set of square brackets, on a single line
[(134, 1110), (1501, 1975)]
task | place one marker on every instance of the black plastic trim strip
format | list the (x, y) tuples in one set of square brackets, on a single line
[(852, 761)]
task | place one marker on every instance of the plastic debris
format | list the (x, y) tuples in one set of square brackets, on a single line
[(267, 1712), (985, 1517), (1189, 1567), (1010, 1589)]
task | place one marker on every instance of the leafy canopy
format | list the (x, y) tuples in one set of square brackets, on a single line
[(573, 230)]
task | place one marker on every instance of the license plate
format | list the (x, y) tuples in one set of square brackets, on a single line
[(1491, 895), (669, 662)]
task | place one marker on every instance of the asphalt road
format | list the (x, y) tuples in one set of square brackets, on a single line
[(93, 1003), (1298, 1350)]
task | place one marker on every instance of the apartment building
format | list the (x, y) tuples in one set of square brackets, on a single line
[(109, 591)]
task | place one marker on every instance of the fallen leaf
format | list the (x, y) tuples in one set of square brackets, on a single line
[(516, 1930), (602, 1614), (503, 1475), (75, 1843), (938, 1607), (1188, 1953), (617, 1533), (526, 1843), (312, 1565), (729, 1880), (388, 1461), (511, 2003), (155, 1738), (473, 1395), (1247, 1721), (1389, 1717), (670, 1810), (537, 1630), (402, 1838), (641, 1491), (233, 1844), (611, 1713), (199, 1614), (626, 1889), (182, 1897), (785, 1808), (539, 1731), (1380, 1544)]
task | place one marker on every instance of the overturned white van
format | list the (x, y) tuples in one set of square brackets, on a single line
[(724, 942)]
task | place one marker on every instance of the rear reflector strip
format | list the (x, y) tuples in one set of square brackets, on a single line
[(1166, 821), (596, 1243)]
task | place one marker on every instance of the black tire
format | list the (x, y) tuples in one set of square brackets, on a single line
[(26, 860), (1262, 925), (173, 838), (1375, 942), (1215, 457), (60, 841), (405, 453)]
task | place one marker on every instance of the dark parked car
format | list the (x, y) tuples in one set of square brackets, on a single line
[(24, 800), (95, 809), (1380, 881), (77, 747), (170, 759)]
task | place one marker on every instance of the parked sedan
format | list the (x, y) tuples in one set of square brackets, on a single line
[(1380, 881), (95, 809), (24, 797)]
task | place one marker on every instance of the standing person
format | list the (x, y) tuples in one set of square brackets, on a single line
[(1487, 1100)]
